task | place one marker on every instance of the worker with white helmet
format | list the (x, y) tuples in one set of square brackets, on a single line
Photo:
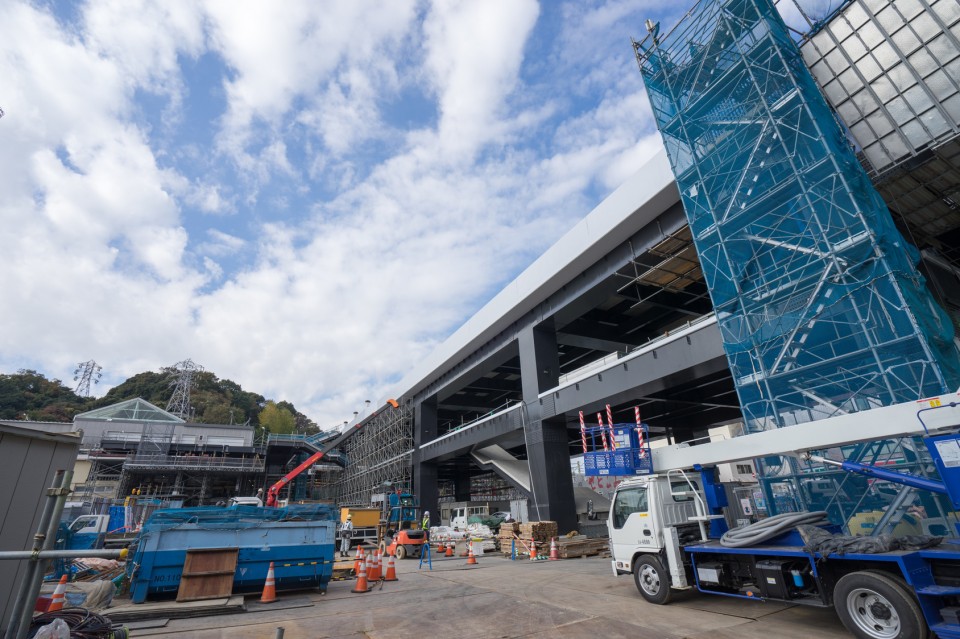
[(425, 524), (346, 532)]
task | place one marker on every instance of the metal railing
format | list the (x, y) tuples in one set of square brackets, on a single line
[(196, 462)]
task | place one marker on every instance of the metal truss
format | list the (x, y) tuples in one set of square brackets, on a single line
[(380, 457), (182, 375), (820, 306)]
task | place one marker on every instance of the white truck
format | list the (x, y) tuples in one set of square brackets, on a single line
[(664, 529)]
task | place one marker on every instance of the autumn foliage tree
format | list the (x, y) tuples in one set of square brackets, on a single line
[(277, 419)]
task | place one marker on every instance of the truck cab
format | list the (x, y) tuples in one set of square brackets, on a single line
[(87, 532), (654, 516), (460, 516)]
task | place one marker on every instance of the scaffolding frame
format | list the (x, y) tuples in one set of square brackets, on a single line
[(380, 457), (819, 304)]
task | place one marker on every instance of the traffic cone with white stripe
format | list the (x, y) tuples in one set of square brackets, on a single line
[(451, 550), (533, 550), (554, 554), (59, 595), (362, 585), (269, 587), (391, 570), (358, 561), (373, 570), (471, 558)]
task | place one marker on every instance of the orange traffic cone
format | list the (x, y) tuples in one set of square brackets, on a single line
[(391, 570), (533, 550), (362, 578), (471, 558), (358, 561), (373, 570), (441, 548), (450, 550), (269, 587), (59, 595), (554, 555)]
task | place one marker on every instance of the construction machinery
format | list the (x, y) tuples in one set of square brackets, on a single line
[(274, 491), (366, 524), (404, 538), (668, 529)]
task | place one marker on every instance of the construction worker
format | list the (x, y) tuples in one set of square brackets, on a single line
[(346, 532), (425, 524)]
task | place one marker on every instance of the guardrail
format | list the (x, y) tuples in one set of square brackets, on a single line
[(469, 425), (196, 462)]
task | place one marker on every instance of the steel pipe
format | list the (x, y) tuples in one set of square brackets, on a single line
[(32, 587), (30, 569), (63, 554)]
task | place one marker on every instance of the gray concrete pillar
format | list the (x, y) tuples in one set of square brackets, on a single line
[(461, 486), (546, 440), (425, 473)]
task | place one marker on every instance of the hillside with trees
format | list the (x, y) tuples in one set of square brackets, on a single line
[(29, 395)]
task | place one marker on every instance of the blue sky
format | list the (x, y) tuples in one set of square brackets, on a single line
[(303, 197)]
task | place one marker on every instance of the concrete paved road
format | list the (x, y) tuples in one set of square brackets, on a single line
[(499, 598)]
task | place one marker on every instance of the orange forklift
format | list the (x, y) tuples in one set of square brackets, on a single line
[(404, 537)]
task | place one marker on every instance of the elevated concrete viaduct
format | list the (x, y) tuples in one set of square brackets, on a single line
[(616, 312)]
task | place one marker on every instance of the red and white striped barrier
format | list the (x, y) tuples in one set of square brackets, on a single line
[(613, 437), (643, 451), (583, 432)]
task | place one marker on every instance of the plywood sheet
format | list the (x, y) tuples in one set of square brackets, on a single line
[(207, 574)]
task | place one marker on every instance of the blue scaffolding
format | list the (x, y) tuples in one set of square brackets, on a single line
[(819, 303)]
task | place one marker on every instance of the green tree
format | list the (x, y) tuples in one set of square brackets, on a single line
[(277, 420), (219, 414), (28, 394), (304, 425)]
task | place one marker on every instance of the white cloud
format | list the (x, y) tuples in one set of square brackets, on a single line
[(474, 54), (347, 243)]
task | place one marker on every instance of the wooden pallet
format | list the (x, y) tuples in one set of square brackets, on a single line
[(580, 546)]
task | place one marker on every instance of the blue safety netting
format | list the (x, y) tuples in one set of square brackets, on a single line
[(817, 295), (242, 516)]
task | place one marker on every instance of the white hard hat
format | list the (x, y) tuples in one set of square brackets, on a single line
[(426, 513), (349, 516)]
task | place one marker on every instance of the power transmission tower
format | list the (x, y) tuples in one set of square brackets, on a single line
[(85, 373), (183, 374)]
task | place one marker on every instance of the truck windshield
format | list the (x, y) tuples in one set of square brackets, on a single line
[(629, 501)]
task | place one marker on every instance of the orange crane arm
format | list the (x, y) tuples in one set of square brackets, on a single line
[(274, 491)]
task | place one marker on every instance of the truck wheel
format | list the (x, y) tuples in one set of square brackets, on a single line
[(874, 605), (401, 551), (652, 580)]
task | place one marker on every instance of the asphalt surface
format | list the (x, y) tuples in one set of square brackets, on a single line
[(503, 598)]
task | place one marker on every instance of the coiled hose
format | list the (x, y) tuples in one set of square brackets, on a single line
[(771, 527), (83, 624)]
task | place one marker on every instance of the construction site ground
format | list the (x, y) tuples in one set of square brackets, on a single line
[(503, 598)]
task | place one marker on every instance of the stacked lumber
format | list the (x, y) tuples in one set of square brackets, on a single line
[(507, 530), (539, 531), (581, 546)]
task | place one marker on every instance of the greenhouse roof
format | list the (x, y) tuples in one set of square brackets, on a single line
[(138, 410)]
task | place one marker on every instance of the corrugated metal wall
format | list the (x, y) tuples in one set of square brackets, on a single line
[(28, 461)]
